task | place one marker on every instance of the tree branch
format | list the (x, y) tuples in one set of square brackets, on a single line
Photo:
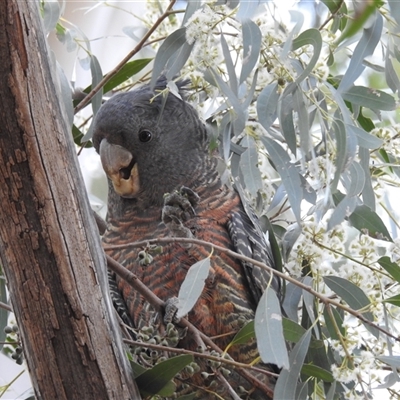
[(324, 299), (137, 48), (159, 305)]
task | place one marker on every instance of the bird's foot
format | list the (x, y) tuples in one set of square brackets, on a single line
[(171, 309), (179, 207)]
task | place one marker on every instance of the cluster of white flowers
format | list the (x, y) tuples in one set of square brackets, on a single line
[(391, 138), (317, 248), (318, 252)]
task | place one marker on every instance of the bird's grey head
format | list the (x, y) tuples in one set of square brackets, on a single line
[(149, 142)]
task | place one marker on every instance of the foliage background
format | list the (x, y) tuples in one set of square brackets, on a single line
[(303, 105)]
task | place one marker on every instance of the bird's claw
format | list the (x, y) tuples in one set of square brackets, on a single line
[(179, 207), (171, 309)]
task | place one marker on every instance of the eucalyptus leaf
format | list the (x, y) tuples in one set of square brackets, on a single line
[(251, 48), (3, 313), (373, 99), (395, 300), (153, 380), (247, 9), (192, 286), (229, 65), (267, 103), (317, 372), (353, 296), (364, 139), (314, 38), (300, 106), (269, 332), (368, 193), (393, 361), (285, 387), (248, 165), (245, 334), (364, 48), (167, 50), (369, 222), (391, 267), (285, 112), (288, 173), (51, 13), (291, 301)]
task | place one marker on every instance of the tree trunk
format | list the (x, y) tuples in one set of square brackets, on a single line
[(49, 245)]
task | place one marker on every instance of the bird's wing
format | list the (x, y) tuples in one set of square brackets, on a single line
[(249, 240)]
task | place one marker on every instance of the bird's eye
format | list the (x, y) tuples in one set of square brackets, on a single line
[(144, 136)]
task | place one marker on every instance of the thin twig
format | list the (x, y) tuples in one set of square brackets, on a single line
[(178, 350), (159, 305), (324, 299), (5, 306), (137, 48)]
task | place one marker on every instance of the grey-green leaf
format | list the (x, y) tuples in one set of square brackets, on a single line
[(267, 104), (365, 139), (285, 386), (192, 286), (251, 48), (373, 99), (393, 361), (170, 46), (269, 332), (248, 166), (288, 173), (364, 48), (313, 37)]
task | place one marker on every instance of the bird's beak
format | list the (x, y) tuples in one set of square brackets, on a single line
[(121, 168)]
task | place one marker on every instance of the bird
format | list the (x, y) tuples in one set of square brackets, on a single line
[(163, 181)]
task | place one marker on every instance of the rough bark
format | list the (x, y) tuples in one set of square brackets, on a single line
[(49, 247)]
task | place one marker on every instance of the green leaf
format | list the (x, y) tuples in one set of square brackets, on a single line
[(292, 331), (3, 313), (353, 296), (269, 332), (370, 223), (395, 300), (333, 5), (330, 324), (358, 20), (245, 334), (153, 380), (285, 387), (317, 372), (391, 267), (127, 71), (371, 98), (137, 369), (192, 286)]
